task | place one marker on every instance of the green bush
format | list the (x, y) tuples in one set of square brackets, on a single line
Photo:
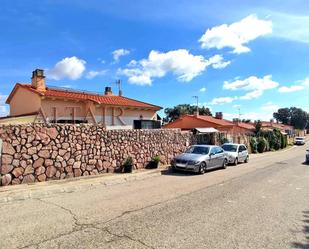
[(128, 161), (261, 144), (284, 141), (253, 145), (156, 159), (222, 139), (267, 145)]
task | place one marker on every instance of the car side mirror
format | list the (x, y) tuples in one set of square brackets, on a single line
[(211, 154)]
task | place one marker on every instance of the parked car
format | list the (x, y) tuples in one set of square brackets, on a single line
[(236, 153), (299, 141), (199, 158), (307, 156)]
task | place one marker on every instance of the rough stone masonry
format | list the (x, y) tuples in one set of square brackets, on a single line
[(39, 152)]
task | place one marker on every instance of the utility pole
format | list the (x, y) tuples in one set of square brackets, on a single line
[(118, 83), (197, 109)]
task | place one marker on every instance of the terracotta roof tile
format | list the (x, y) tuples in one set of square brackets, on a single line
[(100, 99), (211, 119)]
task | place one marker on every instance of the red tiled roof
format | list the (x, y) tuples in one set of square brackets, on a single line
[(84, 96), (187, 122), (211, 119), (276, 125), (248, 126), (272, 124)]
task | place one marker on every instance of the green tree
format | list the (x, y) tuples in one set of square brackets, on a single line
[(283, 115), (299, 118), (292, 116), (183, 109), (258, 127)]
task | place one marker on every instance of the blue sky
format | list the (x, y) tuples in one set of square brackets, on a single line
[(232, 54)]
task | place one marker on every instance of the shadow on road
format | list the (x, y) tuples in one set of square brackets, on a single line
[(305, 231), (171, 172)]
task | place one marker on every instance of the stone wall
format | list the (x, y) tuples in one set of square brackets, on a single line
[(39, 152)]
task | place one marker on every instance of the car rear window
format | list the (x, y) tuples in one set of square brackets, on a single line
[(198, 150), (230, 147)]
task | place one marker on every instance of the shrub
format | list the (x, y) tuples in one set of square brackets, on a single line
[(277, 141), (128, 162), (261, 144), (253, 144), (222, 139), (156, 159), (284, 141), (267, 145)]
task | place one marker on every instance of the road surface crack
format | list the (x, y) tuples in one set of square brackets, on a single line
[(76, 225), (126, 237)]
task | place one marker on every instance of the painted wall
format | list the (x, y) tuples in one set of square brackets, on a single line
[(24, 102)]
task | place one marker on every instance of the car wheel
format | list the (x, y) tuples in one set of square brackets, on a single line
[(224, 164), (247, 159), (202, 169), (235, 162)]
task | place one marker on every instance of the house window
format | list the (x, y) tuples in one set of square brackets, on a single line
[(146, 124)]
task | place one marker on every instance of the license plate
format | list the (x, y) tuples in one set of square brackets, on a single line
[(181, 165)]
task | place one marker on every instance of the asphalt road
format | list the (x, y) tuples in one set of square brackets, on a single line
[(262, 204)]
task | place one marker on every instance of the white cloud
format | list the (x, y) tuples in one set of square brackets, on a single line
[(236, 106), (252, 95), (236, 35), (289, 89), (69, 67), (4, 109), (290, 27), (302, 84), (253, 116), (305, 82), (203, 89), (181, 63), (222, 100), (67, 86), (92, 74), (254, 85), (270, 106), (119, 53), (217, 62), (264, 113)]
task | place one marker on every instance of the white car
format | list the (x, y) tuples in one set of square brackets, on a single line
[(299, 141), (236, 153)]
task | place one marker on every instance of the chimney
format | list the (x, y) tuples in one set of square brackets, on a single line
[(38, 80), (219, 115), (108, 91)]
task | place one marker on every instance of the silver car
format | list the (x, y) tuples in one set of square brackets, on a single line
[(199, 158), (236, 153)]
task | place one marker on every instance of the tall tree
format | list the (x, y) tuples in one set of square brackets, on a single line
[(299, 118), (283, 115), (292, 116), (183, 109), (258, 127)]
